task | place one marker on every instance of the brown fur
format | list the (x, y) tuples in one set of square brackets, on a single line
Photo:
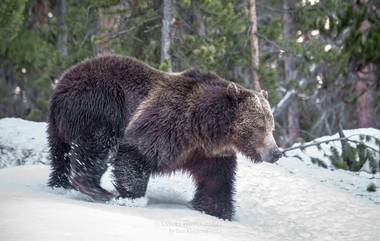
[(157, 123)]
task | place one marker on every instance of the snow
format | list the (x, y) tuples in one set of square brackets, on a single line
[(272, 204), (22, 142), (292, 200), (355, 134), (353, 182), (31, 211)]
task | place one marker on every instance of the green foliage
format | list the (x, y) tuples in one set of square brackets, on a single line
[(24, 55), (225, 43), (164, 66), (272, 29), (373, 165), (352, 30), (353, 157), (208, 34), (268, 78), (363, 156), (11, 20), (336, 159), (35, 115), (29, 53), (318, 162), (104, 4), (360, 43)]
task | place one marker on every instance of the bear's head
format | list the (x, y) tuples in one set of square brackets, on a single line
[(252, 130)]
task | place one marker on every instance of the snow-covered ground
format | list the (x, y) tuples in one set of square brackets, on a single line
[(22, 142), (355, 183), (294, 200)]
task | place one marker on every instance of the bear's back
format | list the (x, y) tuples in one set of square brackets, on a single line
[(100, 89), (102, 71)]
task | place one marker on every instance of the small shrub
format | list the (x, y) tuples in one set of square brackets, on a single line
[(318, 161), (371, 187), (35, 115)]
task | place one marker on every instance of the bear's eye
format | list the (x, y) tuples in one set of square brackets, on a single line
[(262, 129)]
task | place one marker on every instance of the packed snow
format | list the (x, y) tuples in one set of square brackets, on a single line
[(293, 200)]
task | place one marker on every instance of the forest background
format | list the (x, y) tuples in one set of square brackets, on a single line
[(318, 60)]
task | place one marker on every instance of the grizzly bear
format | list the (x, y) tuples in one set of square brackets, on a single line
[(142, 121)]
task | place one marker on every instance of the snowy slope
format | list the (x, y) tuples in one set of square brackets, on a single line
[(272, 204), (352, 182), (22, 142), (292, 200), (313, 152)]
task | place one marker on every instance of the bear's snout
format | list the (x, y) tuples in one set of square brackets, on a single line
[(269, 152), (276, 154)]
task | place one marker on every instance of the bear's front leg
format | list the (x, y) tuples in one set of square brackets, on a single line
[(214, 177), (131, 172)]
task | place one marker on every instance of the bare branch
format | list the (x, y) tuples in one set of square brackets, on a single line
[(347, 139), (284, 103), (271, 42)]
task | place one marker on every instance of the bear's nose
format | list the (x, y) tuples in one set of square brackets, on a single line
[(277, 154)]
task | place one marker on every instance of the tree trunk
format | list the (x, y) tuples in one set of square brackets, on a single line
[(364, 76), (200, 19), (166, 33), (62, 28), (364, 105), (290, 70), (254, 45), (105, 25)]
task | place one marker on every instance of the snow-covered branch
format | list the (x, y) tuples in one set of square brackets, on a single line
[(347, 139)]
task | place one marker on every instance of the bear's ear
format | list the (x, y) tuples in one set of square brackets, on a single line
[(236, 93), (264, 93)]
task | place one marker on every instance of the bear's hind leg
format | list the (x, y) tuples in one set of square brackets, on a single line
[(131, 172), (60, 163), (89, 156), (214, 177)]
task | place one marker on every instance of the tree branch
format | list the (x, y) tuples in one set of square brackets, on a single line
[(284, 103), (327, 141)]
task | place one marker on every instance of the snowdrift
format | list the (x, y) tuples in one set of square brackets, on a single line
[(293, 200), (323, 153), (22, 142)]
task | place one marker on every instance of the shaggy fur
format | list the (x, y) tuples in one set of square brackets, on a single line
[(154, 123)]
